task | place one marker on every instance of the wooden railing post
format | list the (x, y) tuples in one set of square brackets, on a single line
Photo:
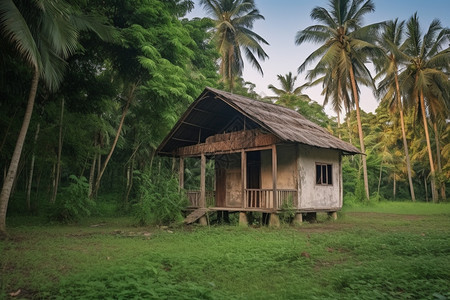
[(181, 174), (274, 175), (243, 178), (202, 180)]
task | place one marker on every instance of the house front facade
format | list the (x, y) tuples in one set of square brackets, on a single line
[(266, 157)]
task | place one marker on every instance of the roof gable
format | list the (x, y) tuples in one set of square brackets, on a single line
[(216, 111)]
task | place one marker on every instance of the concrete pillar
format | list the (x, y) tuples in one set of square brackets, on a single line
[(332, 215), (202, 221), (274, 220), (298, 219), (243, 219)]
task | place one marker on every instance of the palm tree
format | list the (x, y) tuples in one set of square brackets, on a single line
[(424, 79), (335, 87), (387, 66), (233, 21), (345, 47), (44, 33), (288, 94)]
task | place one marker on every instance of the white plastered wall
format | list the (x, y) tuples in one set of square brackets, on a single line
[(312, 196)]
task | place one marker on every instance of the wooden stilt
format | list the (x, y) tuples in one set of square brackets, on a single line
[(243, 178), (274, 220), (298, 219), (202, 221), (243, 219), (181, 174), (274, 176), (332, 215), (202, 181)]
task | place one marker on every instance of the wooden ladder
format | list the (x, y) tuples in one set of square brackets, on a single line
[(195, 215)]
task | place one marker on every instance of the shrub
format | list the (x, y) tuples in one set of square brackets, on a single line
[(160, 201), (288, 210), (73, 202)]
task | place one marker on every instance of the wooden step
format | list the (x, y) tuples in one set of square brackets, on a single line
[(195, 215)]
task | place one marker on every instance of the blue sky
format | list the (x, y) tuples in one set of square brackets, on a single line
[(283, 18)]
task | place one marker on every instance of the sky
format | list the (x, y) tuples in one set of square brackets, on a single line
[(284, 18)]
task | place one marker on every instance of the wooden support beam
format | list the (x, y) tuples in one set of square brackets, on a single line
[(197, 125), (274, 175), (243, 177), (202, 180), (184, 140), (181, 174), (230, 142)]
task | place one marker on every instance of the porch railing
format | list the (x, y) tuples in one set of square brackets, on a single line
[(254, 198), (194, 198), (263, 198)]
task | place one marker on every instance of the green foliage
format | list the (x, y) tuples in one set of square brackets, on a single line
[(360, 193), (72, 203), (287, 211), (160, 201), (385, 251), (138, 280)]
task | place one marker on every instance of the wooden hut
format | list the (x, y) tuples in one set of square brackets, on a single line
[(265, 156)]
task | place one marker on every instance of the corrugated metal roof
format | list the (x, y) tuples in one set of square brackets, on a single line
[(214, 110)]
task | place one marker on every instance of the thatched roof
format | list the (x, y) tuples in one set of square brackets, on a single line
[(216, 111)]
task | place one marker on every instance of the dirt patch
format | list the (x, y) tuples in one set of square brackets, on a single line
[(323, 227), (375, 215)]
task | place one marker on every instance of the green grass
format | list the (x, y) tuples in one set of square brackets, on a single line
[(386, 251)]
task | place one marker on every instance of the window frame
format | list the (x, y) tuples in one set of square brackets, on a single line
[(324, 174)]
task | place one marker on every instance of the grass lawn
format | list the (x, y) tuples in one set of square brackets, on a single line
[(386, 251)]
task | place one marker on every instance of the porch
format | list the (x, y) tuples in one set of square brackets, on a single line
[(254, 199), (251, 172)]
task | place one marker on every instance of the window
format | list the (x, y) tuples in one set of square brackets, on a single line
[(324, 174)]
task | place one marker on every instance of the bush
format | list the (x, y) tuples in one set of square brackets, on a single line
[(350, 200), (288, 211), (160, 201), (73, 202)]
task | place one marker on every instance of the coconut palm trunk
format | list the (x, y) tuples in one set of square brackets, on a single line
[(13, 166), (430, 155), (405, 142), (58, 160), (360, 132), (438, 158), (33, 157)]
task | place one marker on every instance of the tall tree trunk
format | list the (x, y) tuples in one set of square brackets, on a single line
[(339, 124), (58, 160), (438, 158), (394, 191), (53, 177), (12, 170), (119, 130), (30, 179), (361, 135), (92, 174), (129, 181), (379, 178), (405, 142), (430, 156), (426, 187)]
